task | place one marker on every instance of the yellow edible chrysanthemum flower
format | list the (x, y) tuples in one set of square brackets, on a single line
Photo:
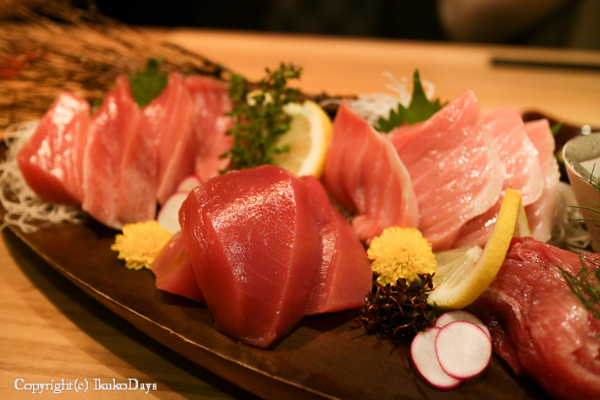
[(401, 253), (140, 243)]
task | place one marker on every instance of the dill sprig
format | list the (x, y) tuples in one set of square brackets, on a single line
[(585, 284), (259, 117), (596, 209)]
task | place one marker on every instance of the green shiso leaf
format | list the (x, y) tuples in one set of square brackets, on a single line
[(419, 109), (148, 84)]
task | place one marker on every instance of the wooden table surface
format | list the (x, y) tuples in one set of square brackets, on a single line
[(51, 331)]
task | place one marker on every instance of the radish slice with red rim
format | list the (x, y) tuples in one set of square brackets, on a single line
[(460, 315), (463, 349), (168, 216), (423, 355), (188, 183)]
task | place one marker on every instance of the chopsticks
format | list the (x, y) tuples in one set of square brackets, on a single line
[(521, 62)]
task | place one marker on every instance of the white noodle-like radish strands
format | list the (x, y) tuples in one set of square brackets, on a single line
[(24, 208)]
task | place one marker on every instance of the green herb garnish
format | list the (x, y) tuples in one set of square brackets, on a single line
[(419, 109), (259, 118), (556, 128), (148, 84), (596, 209), (585, 285)]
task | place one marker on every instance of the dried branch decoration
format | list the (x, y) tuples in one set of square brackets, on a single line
[(67, 47)]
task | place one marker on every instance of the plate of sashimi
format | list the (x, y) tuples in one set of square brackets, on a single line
[(415, 249)]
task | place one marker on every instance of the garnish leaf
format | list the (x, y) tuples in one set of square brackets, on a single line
[(556, 128), (585, 284), (259, 116), (148, 84), (419, 109)]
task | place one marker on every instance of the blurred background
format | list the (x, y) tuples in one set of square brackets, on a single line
[(548, 23), (552, 23)]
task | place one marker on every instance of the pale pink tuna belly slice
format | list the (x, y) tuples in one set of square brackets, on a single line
[(174, 271), (538, 325), (173, 114), (542, 212), (522, 171), (256, 251), (139, 166), (211, 101), (455, 167), (517, 152), (112, 124), (51, 160), (345, 275), (364, 173)]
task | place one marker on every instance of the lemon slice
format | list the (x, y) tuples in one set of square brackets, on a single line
[(308, 139), (463, 274)]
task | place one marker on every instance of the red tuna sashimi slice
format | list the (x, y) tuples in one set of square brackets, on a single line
[(345, 274), (542, 213), (172, 116), (364, 173), (522, 171), (52, 159), (256, 251), (538, 325), (455, 167), (112, 124), (211, 102), (174, 271)]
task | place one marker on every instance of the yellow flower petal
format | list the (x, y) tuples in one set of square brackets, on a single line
[(140, 243), (401, 253)]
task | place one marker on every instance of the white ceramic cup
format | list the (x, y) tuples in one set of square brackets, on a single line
[(581, 155)]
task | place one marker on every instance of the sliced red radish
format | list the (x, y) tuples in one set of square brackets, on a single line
[(188, 183), (168, 216), (460, 315), (463, 349), (423, 355)]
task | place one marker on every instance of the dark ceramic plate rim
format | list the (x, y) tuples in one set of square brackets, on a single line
[(320, 358)]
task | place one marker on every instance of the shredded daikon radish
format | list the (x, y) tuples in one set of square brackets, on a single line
[(24, 209), (375, 105), (568, 233)]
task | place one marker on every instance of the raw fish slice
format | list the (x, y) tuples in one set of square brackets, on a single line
[(256, 251), (538, 326), (174, 271), (455, 167), (139, 167), (518, 154), (345, 274), (364, 173), (542, 213), (211, 102), (112, 124), (51, 161), (522, 171), (172, 116)]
